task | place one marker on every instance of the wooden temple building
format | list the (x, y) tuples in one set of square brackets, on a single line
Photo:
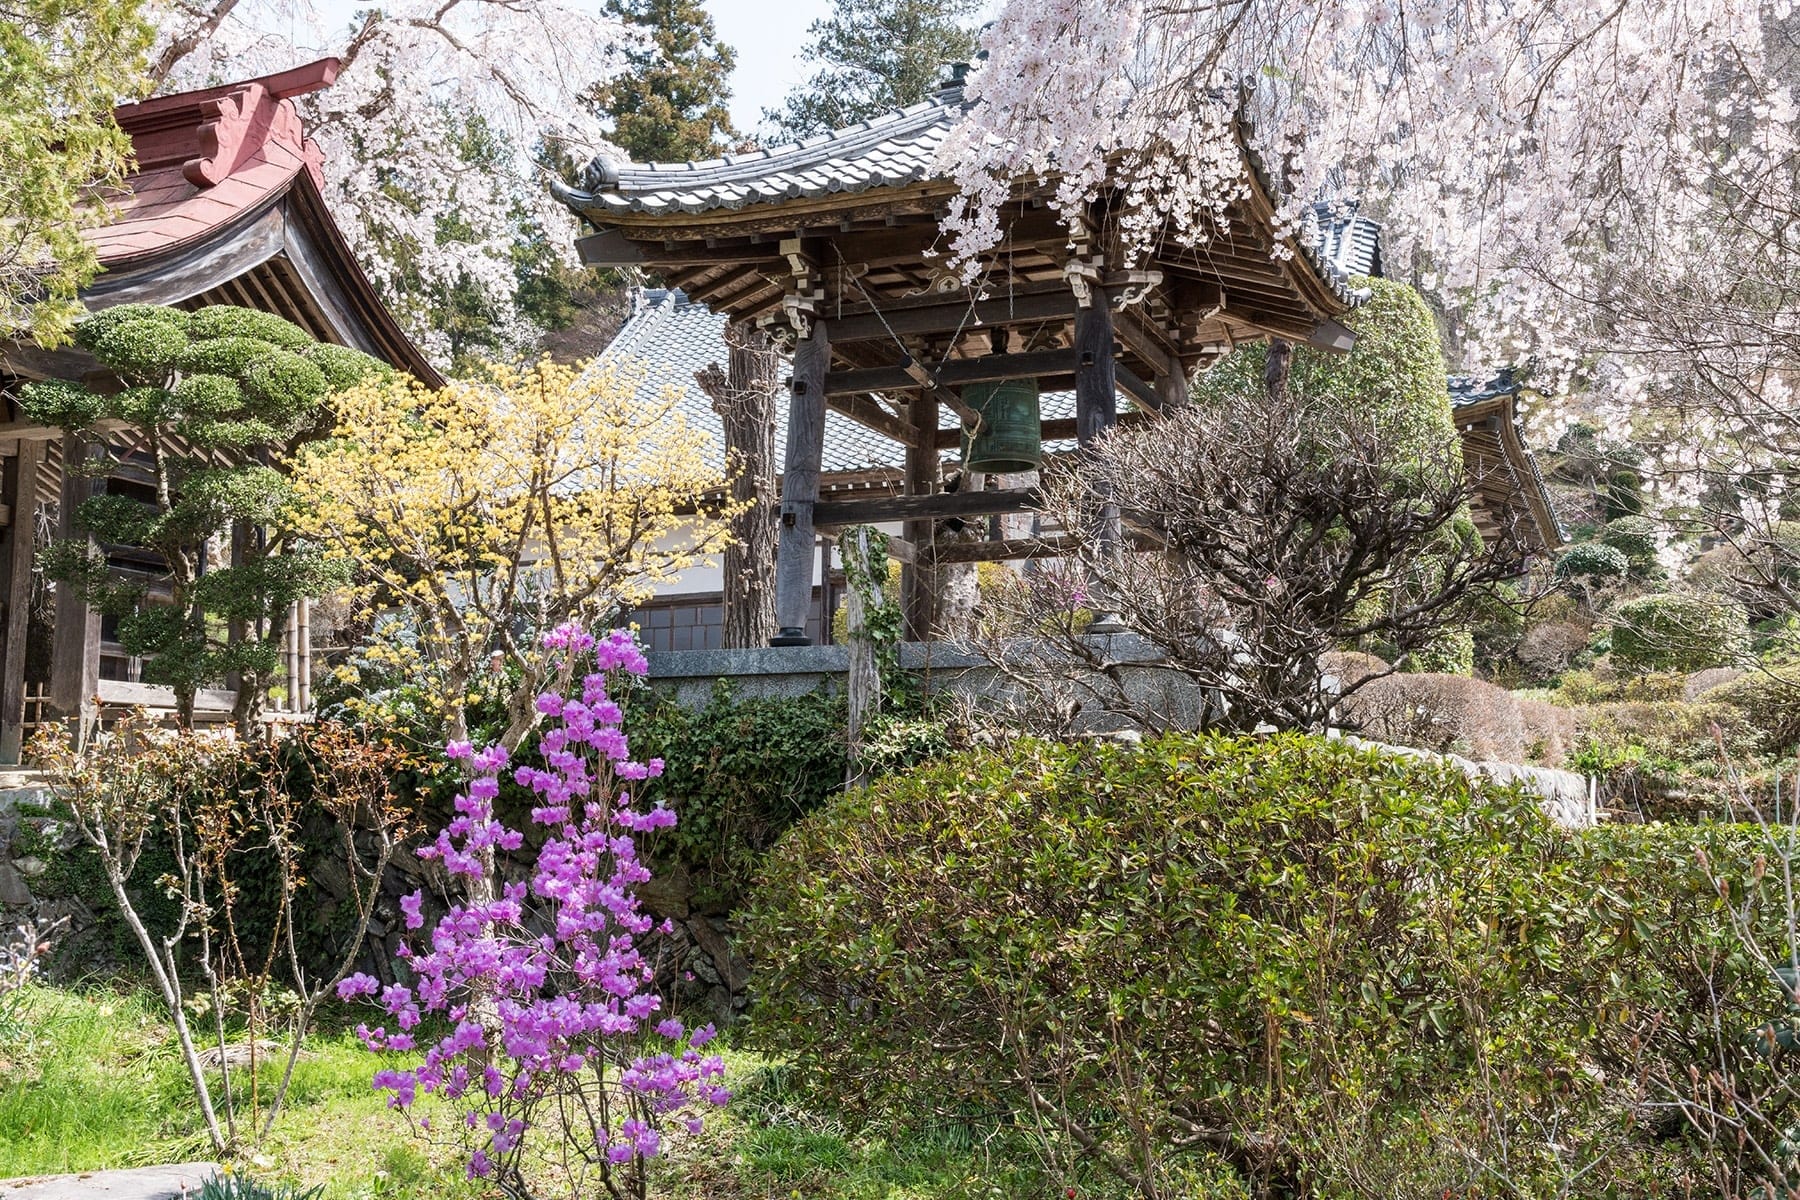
[(834, 244), (224, 207)]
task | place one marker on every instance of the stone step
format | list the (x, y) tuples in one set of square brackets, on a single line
[(176, 1181)]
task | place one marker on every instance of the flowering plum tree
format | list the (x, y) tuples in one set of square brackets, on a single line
[(560, 1065), (427, 91)]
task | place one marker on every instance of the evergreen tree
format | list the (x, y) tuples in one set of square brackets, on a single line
[(669, 105), (63, 65), (208, 398), (872, 56)]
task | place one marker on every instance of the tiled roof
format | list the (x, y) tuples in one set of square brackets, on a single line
[(887, 151), (1473, 389), (1468, 391), (1351, 243), (206, 159), (890, 150), (670, 337)]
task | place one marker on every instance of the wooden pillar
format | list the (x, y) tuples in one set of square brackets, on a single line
[(1096, 413), (21, 496), (1096, 384), (795, 549), (305, 685), (75, 648), (743, 393), (918, 582), (1172, 386), (290, 647)]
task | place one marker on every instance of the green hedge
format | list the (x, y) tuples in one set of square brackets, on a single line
[(1678, 631), (1344, 972), (1635, 537)]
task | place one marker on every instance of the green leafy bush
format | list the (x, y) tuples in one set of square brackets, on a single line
[(1396, 371), (1451, 652), (1665, 759), (1348, 973), (739, 772), (1768, 698), (1594, 561), (226, 321), (1677, 631), (217, 390), (1634, 537)]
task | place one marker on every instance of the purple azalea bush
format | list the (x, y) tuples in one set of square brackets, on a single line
[(558, 1059)]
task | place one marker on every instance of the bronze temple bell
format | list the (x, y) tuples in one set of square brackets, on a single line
[(1010, 440)]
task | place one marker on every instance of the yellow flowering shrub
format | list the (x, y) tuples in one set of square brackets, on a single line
[(495, 508)]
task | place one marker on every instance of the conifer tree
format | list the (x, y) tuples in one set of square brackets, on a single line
[(873, 56), (669, 104), (209, 397), (63, 65)]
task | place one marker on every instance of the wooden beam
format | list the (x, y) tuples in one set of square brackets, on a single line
[(1147, 397), (989, 369), (864, 411), (30, 431), (875, 510), (1058, 429), (1004, 550), (1096, 371), (945, 317), (21, 493), (611, 248), (1330, 335), (938, 394), (800, 487)]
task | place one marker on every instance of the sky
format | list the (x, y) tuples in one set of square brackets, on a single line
[(767, 35)]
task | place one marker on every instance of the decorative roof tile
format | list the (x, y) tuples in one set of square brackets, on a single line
[(1348, 241)]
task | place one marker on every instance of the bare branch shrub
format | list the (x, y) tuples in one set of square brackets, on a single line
[(1269, 532)]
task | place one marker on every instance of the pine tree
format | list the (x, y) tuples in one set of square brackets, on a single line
[(872, 56), (209, 397), (670, 105)]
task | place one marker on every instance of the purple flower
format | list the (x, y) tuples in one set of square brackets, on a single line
[(358, 985), (412, 906), (554, 962)]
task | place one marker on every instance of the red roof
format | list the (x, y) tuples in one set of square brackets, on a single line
[(225, 207), (205, 159)]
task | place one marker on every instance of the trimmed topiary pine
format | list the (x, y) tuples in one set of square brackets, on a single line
[(1395, 373), (1678, 631), (209, 396), (1592, 561), (1635, 538)]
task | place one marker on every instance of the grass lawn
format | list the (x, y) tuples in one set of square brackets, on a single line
[(92, 1079)]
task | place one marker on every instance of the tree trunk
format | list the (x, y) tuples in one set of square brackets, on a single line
[(864, 685), (744, 397), (1275, 369)]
